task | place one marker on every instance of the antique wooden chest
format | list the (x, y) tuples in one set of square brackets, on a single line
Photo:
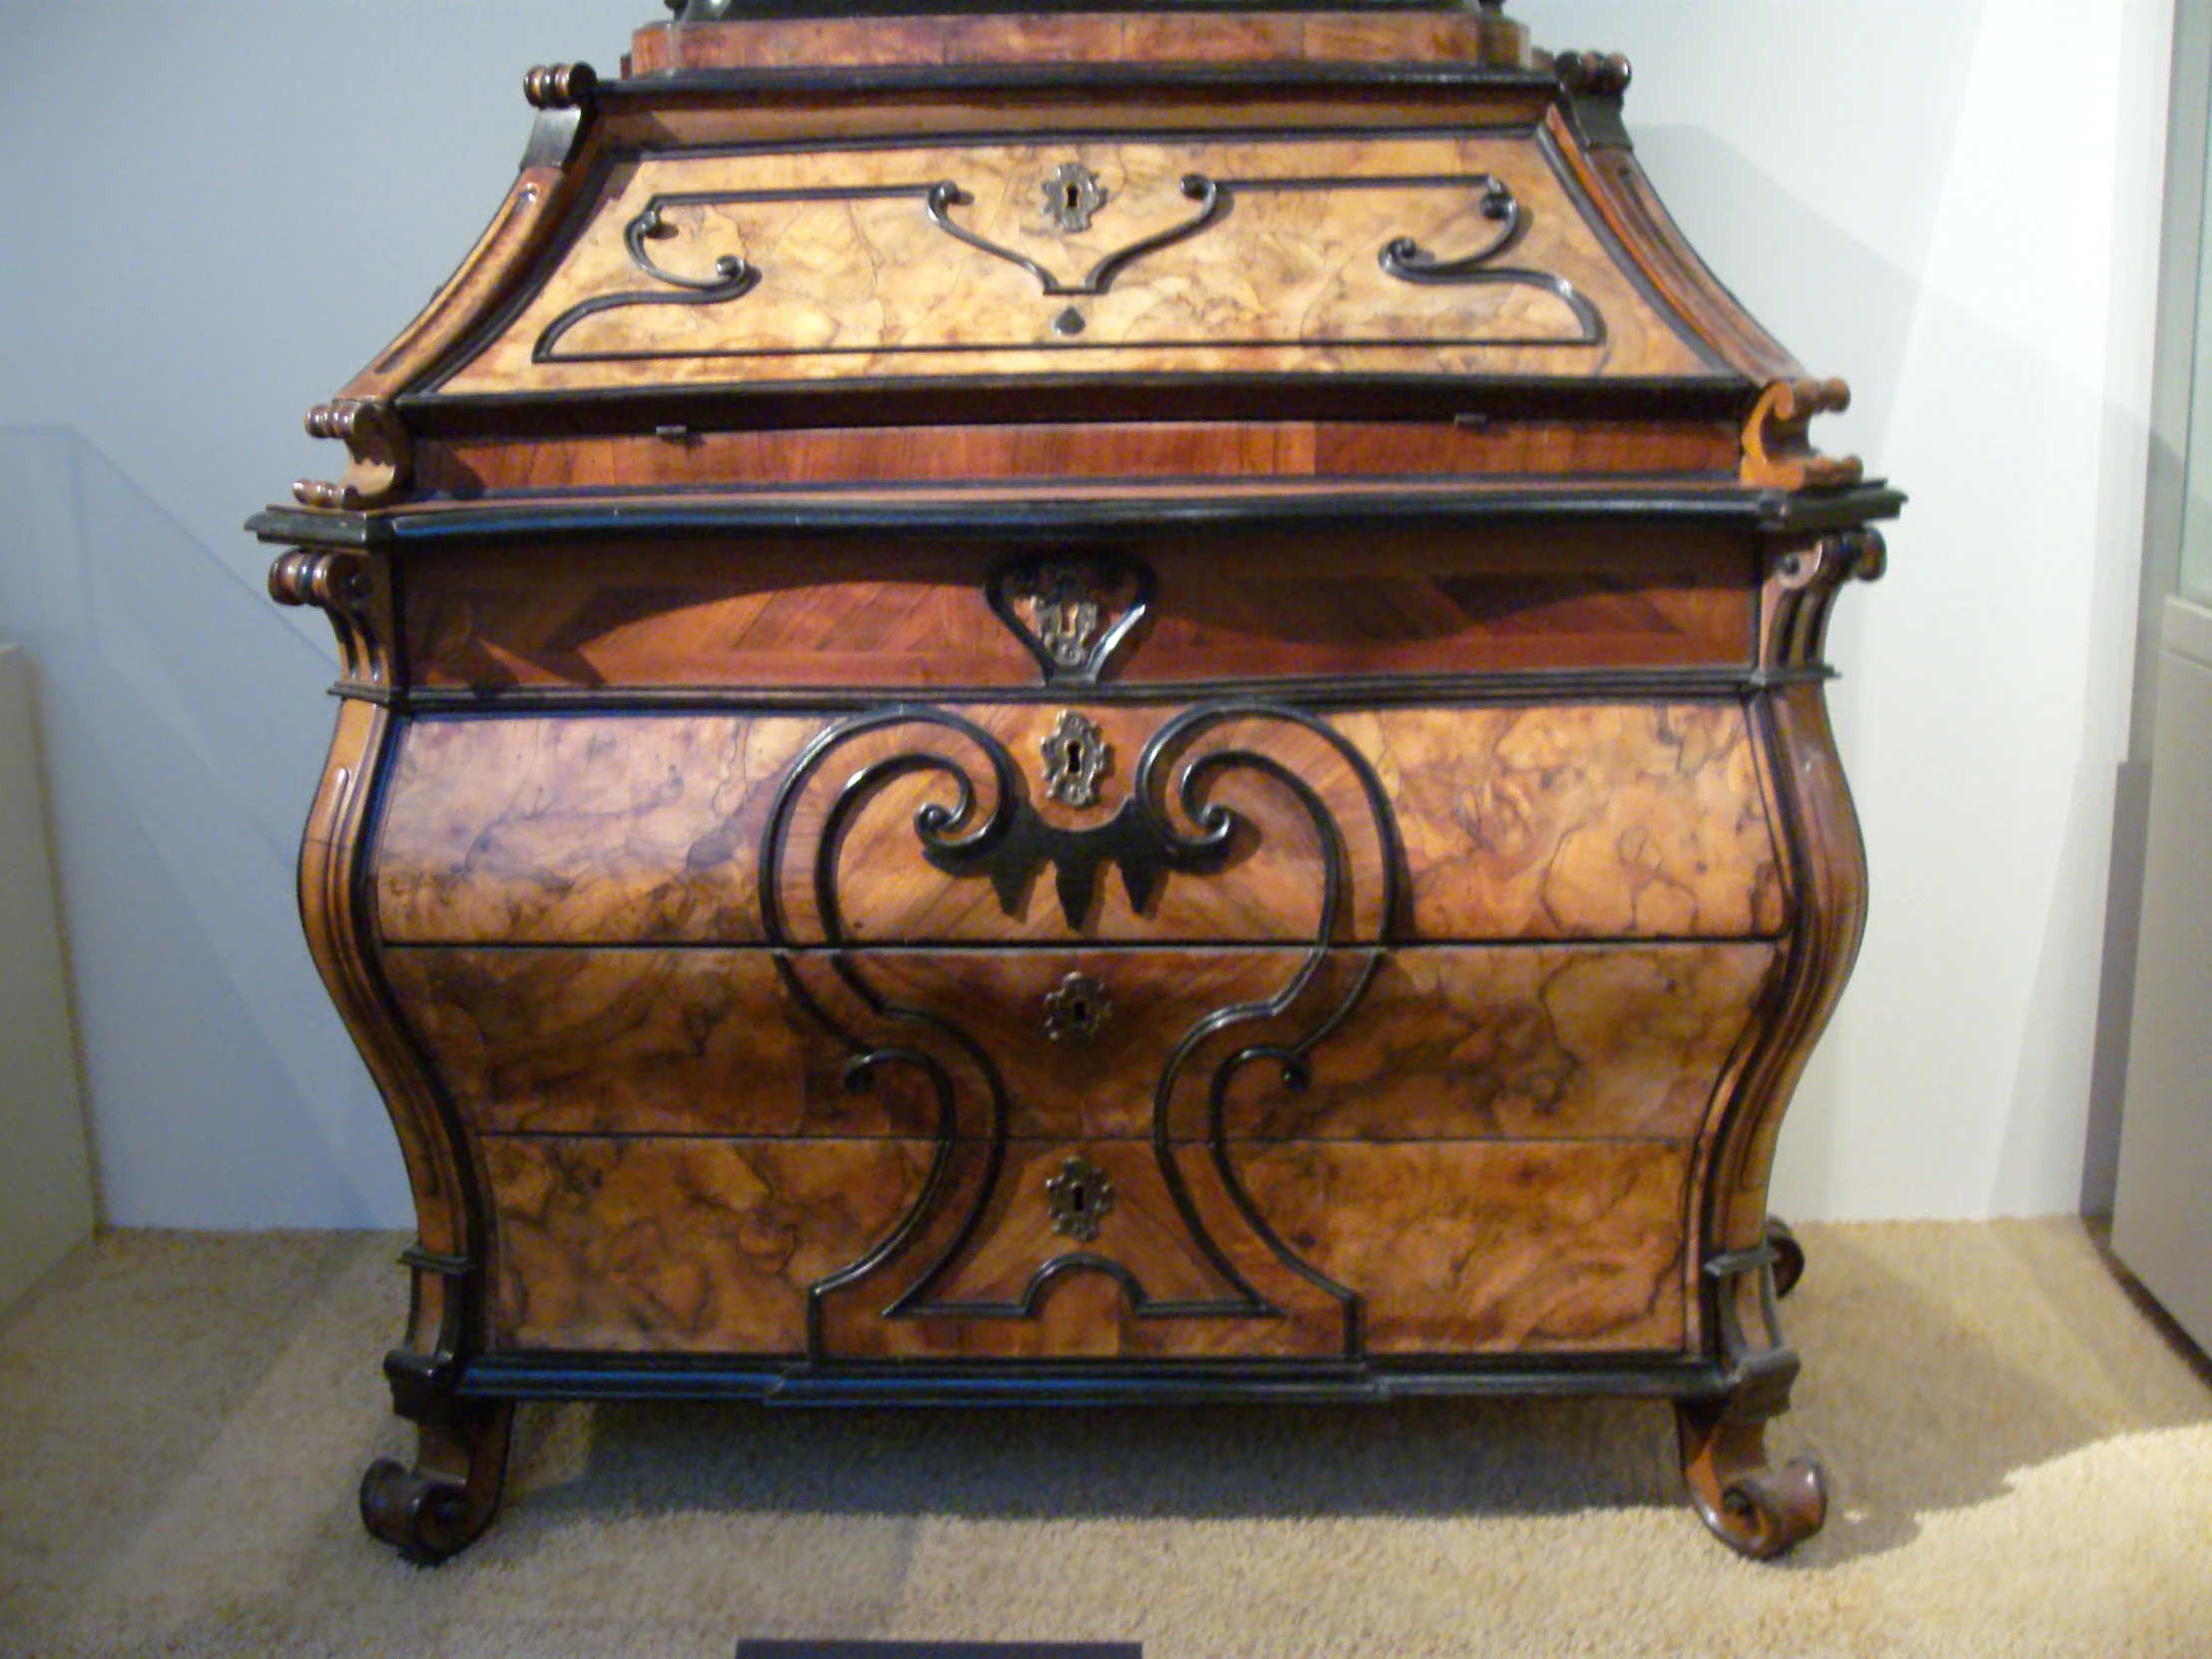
[(1095, 706)]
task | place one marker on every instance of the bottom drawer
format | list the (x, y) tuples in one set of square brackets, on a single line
[(1303, 1249)]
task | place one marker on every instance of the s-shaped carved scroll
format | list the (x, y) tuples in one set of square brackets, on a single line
[(978, 821)]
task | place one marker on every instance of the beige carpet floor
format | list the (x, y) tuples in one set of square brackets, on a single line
[(2022, 1457)]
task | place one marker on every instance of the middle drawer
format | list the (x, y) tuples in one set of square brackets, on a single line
[(1498, 1042), (1051, 824)]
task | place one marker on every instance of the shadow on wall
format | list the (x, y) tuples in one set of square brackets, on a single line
[(182, 747)]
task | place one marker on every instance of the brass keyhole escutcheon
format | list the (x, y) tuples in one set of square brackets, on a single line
[(1080, 1198), (1076, 1009), (1076, 756), (1071, 194)]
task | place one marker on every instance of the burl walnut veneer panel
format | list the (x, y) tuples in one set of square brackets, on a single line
[(711, 1246), (1281, 607), (1523, 1042), (1271, 255), (649, 1243), (1552, 821), (1487, 1247)]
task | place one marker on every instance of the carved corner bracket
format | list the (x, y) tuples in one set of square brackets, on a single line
[(381, 450), (1777, 451), (348, 588), (1802, 582)]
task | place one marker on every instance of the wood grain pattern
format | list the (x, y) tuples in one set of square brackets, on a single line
[(681, 1244), (692, 1245), (599, 830), (1526, 1044), (1486, 1247), (1577, 822), (1250, 607), (1100, 37), (1540, 1043), (472, 468), (1594, 822), (1143, 1288), (646, 1042), (866, 285)]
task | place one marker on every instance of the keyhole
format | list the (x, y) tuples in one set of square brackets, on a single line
[(1079, 1201), (1069, 197)]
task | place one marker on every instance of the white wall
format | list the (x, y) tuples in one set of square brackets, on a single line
[(212, 214)]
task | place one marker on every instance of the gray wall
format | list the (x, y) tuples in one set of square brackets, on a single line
[(218, 211)]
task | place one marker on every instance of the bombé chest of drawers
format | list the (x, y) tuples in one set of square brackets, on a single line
[(1098, 706)]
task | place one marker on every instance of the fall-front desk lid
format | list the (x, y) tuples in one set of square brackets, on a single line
[(832, 218)]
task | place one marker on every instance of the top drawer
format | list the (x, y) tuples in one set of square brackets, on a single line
[(1166, 607)]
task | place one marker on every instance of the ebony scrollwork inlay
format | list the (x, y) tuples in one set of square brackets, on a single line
[(1211, 201), (1073, 199), (1406, 260), (1173, 824)]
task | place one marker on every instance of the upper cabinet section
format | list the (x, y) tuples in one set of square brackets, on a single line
[(1453, 253), (1389, 240)]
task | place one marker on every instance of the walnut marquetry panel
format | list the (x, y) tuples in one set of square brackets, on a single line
[(1522, 1043), (1487, 1248), (710, 1246), (1120, 452), (1547, 822), (815, 613), (687, 1245), (845, 275)]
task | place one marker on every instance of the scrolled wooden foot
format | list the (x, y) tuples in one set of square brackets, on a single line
[(437, 1508), (1755, 1509)]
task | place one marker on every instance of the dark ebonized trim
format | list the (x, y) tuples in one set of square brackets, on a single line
[(1017, 1382), (945, 513), (653, 89), (1683, 685), (994, 400)]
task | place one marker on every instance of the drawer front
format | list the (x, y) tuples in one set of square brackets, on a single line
[(1043, 824), (1074, 1251), (1514, 1043), (641, 1244), (1432, 252), (1486, 1247), (1210, 607)]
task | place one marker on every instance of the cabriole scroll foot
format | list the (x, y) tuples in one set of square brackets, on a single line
[(1756, 1510), (439, 1508)]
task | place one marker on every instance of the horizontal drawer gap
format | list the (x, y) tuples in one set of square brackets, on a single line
[(1086, 947), (1719, 682), (1083, 1140)]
